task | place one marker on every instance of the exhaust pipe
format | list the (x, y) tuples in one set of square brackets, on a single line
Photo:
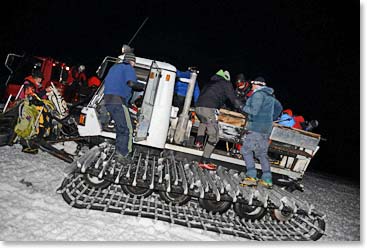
[(179, 136)]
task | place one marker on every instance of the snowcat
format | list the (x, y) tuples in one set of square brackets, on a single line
[(165, 182)]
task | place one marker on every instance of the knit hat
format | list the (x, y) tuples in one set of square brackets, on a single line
[(259, 81), (224, 74), (126, 49), (129, 57)]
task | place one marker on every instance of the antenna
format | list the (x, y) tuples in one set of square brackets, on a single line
[(137, 31)]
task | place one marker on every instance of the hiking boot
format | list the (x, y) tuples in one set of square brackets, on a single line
[(199, 145), (207, 165), (267, 183), (30, 150), (123, 159), (249, 181)]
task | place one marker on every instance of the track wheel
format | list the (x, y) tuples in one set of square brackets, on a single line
[(215, 206), (96, 182), (174, 198), (282, 215), (249, 212), (315, 235), (138, 191), (5, 135)]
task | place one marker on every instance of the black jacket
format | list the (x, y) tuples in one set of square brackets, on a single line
[(216, 92)]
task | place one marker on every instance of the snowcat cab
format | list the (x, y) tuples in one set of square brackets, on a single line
[(53, 115), (20, 66), (164, 181)]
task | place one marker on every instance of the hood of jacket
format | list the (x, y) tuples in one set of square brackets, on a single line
[(217, 78), (265, 89)]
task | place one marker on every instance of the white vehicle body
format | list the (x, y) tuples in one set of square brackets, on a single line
[(160, 87), (157, 121)]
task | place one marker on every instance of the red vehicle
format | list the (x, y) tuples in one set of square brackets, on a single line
[(20, 66)]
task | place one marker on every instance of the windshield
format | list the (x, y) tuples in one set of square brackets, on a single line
[(22, 67), (142, 72)]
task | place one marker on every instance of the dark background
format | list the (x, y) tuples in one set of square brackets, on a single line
[(308, 51)]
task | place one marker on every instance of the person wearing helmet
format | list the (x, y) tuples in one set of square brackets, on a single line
[(80, 76), (33, 85), (81, 68), (243, 88), (262, 108), (212, 97), (76, 79)]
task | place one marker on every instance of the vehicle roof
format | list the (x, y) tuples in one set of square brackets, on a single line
[(162, 65)]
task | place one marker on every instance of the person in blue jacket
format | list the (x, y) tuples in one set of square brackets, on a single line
[(181, 89), (262, 108), (118, 85)]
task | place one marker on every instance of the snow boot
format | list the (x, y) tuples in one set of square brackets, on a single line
[(267, 183), (207, 164), (199, 145), (123, 159), (249, 181)]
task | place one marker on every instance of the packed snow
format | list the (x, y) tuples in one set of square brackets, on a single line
[(31, 210)]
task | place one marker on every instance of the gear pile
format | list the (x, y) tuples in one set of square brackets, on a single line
[(160, 186)]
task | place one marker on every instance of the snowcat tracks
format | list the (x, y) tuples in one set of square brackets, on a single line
[(99, 183)]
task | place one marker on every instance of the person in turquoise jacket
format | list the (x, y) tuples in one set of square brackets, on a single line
[(262, 108)]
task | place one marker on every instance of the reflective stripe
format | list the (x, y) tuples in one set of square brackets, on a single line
[(128, 122)]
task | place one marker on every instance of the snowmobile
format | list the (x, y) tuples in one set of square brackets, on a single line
[(164, 181)]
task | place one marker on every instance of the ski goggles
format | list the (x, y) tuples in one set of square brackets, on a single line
[(242, 84)]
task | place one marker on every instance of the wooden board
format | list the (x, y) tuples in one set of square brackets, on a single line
[(314, 135), (232, 118)]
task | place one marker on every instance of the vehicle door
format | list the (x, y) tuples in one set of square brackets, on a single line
[(147, 107)]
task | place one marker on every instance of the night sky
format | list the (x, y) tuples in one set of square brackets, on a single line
[(308, 51)]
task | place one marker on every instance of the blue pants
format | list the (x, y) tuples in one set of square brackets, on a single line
[(120, 114), (257, 143)]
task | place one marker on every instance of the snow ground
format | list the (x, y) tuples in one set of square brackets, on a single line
[(31, 210)]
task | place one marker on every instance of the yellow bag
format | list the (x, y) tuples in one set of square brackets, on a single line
[(26, 120)]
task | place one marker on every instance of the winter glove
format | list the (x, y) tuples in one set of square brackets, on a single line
[(238, 104), (139, 102), (135, 86)]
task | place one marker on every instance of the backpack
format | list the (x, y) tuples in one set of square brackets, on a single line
[(26, 120)]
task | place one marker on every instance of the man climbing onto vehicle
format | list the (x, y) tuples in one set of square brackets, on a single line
[(211, 98), (118, 85), (262, 109)]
